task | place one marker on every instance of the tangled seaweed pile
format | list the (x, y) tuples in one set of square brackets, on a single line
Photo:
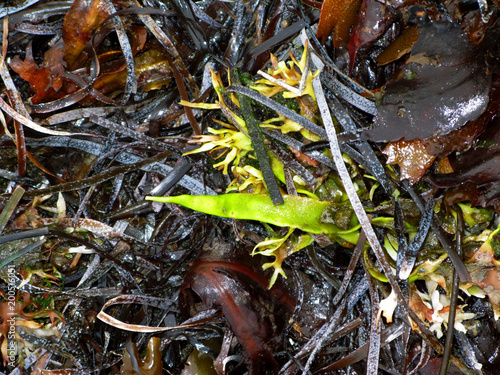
[(338, 165)]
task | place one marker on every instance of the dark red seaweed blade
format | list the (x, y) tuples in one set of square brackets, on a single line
[(441, 87)]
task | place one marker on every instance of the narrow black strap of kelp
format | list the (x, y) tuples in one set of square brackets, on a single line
[(374, 346), (292, 142), (369, 160), (99, 177), (22, 252), (260, 148), (406, 259), (457, 261), (113, 126), (448, 346), (293, 164), (274, 40), (281, 109)]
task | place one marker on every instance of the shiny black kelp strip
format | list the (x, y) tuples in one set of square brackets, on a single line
[(292, 142), (276, 39), (448, 346), (260, 148), (97, 178), (271, 104), (457, 261), (113, 126), (22, 252), (23, 235), (196, 187), (406, 259)]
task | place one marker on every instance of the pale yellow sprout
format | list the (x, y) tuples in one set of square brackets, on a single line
[(287, 125), (220, 104), (247, 179), (237, 143), (280, 249), (284, 77)]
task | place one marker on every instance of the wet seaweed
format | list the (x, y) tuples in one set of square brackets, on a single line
[(380, 126)]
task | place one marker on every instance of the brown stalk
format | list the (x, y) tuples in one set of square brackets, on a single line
[(21, 149)]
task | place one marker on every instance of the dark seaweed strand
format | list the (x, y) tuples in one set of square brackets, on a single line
[(11, 10), (409, 256), (98, 178), (293, 165), (113, 126), (405, 339), (24, 234), (373, 354), (271, 104), (350, 268), (22, 252), (131, 81), (457, 261), (260, 148), (448, 345), (274, 40)]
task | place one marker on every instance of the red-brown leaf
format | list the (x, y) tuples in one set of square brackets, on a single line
[(442, 86), (329, 16), (44, 81), (82, 19), (411, 156), (228, 279), (401, 46), (373, 20), (346, 20)]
